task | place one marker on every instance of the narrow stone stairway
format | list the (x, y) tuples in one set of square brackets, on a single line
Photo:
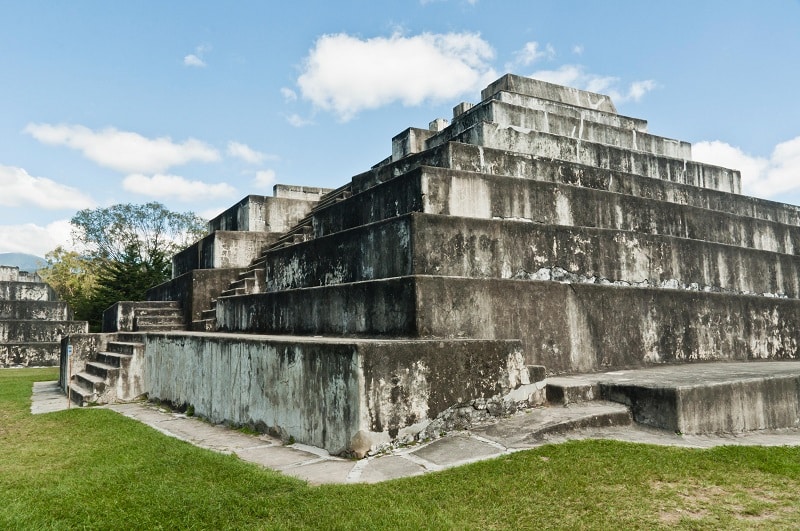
[(105, 378), (253, 278)]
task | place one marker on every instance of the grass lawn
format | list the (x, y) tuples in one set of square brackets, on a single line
[(92, 468)]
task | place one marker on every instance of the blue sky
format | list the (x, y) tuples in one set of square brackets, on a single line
[(197, 104)]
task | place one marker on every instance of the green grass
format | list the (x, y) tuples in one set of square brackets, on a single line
[(92, 468)]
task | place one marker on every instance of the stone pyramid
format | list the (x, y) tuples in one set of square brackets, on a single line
[(32, 320), (538, 233)]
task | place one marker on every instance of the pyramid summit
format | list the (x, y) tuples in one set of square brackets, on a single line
[(536, 233)]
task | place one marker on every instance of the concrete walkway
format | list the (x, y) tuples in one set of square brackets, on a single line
[(517, 432)]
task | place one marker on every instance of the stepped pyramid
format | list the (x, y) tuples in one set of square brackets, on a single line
[(32, 320), (539, 233)]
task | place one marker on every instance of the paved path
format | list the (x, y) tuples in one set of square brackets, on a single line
[(316, 466)]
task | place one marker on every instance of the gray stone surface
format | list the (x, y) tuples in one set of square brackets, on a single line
[(519, 431), (457, 449)]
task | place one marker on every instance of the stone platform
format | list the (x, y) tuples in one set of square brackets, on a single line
[(550, 424)]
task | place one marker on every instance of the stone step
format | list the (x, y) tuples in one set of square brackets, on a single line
[(733, 397), (482, 248), (232, 292), (161, 327), (571, 390), (209, 314), (81, 395), (584, 327), (526, 119), (114, 359), (158, 320), (533, 425), (366, 207), (102, 370), (128, 348), (89, 381), (158, 312), (205, 325), (602, 156)]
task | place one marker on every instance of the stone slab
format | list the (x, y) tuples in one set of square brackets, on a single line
[(532, 426), (710, 398), (277, 457), (47, 398), (457, 449), (326, 471), (549, 91), (387, 468)]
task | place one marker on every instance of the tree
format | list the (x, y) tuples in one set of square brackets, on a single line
[(150, 231), (127, 249), (73, 277)]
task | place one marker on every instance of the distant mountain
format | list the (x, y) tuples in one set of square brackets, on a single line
[(25, 262)]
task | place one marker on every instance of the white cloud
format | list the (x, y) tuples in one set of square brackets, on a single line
[(19, 188), (35, 239), (288, 94), (532, 52), (193, 60), (761, 177), (346, 75), (296, 120), (246, 153), (577, 49), (196, 59), (174, 186), (124, 151), (576, 76), (264, 179)]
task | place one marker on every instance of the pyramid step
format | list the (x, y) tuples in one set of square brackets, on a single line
[(125, 347), (204, 325), (208, 314), (102, 370), (532, 426), (161, 327), (80, 395), (90, 381), (157, 312), (232, 292), (114, 359), (569, 390), (147, 322)]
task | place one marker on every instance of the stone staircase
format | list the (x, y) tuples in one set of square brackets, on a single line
[(144, 316), (108, 376), (252, 280)]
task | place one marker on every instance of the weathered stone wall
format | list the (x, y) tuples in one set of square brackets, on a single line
[(48, 310), (602, 156), (222, 249), (528, 119), (487, 248), (27, 291), (567, 327), (262, 214), (38, 330), (341, 395), (549, 91)]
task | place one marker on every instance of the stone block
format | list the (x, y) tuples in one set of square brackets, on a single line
[(549, 91), (27, 291), (262, 214), (353, 390)]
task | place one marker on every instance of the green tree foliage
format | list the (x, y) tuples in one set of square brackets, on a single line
[(128, 249), (73, 277)]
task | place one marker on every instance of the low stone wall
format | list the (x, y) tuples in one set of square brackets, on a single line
[(347, 396)]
